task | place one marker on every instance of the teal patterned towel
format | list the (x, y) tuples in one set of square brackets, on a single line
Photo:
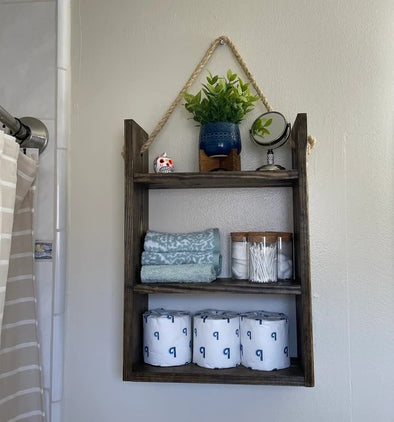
[(204, 241), (187, 273), (172, 258)]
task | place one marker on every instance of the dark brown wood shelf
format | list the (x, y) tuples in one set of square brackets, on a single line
[(221, 285), (222, 179), (138, 182), (239, 375)]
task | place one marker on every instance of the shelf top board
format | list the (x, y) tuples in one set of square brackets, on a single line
[(221, 285), (219, 179)]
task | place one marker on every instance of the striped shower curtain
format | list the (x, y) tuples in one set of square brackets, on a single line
[(21, 393)]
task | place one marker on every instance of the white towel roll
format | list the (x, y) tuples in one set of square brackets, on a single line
[(264, 340), (216, 341), (167, 337)]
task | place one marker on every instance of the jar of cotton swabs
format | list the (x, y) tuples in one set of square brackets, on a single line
[(263, 257)]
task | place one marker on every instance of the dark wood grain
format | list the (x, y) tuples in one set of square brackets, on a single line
[(135, 227), (301, 243), (222, 285), (240, 375), (220, 179)]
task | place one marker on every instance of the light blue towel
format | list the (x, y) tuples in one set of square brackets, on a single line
[(187, 273), (176, 258), (204, 241)]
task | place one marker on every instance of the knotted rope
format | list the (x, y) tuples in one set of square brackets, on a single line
[(221, 40)]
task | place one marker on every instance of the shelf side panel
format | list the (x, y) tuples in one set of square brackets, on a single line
[(301, 239), (135, 226)]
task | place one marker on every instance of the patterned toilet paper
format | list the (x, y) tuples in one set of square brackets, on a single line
[(264, 340), (216, 340), (167, 337)]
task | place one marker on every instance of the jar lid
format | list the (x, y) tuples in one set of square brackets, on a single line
[(257, 233), (286, 236), (260, 236), (283, 235), (239, 236)]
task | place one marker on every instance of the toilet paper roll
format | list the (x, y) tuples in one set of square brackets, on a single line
[(216, 341), (167, 337), (264, 340)]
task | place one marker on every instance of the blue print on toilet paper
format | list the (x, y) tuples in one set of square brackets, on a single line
[(242, 349), (157, 335), (273, 335), (249, 334), (195, 332), (202, 351), (216, 334), (171, 317), (146, 349), (184, 331), (237, 332), (259, 354), (286, 351), (172, 351), (226, 352)]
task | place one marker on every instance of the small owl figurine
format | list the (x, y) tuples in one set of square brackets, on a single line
[(163, 164)]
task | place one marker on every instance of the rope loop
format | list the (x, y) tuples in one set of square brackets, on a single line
[(223, 40)]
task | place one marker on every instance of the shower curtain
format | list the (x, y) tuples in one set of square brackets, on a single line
[(21, 392)]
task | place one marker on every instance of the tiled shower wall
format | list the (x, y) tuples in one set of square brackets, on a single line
[(34, 69)]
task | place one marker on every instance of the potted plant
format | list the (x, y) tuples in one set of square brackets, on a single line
[(219, 107)]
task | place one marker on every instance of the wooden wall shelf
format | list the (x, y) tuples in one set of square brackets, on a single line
[(138, 181)]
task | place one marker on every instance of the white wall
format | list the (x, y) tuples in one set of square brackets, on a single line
[(333, 60)]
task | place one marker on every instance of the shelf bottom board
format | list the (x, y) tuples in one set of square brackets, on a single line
[(194, 374)]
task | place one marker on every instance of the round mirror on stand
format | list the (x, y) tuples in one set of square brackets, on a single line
[(271, 131)]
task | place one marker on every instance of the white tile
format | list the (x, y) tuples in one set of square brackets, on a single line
[(62, 107), (57, 357), (63, 34), (60, 273), (44, 218), (61, 190), (28, 74), (44, 283), (57, 408)]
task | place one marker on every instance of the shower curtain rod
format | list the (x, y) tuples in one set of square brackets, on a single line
[(29, 131)]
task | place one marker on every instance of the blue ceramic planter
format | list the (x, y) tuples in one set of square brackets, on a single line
[(219, 138)]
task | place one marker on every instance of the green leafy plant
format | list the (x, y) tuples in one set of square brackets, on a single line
[(260, 127), (221, 100)]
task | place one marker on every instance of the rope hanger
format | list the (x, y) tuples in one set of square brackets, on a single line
[(223, 40)]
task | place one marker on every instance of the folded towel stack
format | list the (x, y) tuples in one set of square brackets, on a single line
[(181, 257)]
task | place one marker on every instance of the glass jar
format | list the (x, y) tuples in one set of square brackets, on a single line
[(263, 257), (285, 256), (239, 255)]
